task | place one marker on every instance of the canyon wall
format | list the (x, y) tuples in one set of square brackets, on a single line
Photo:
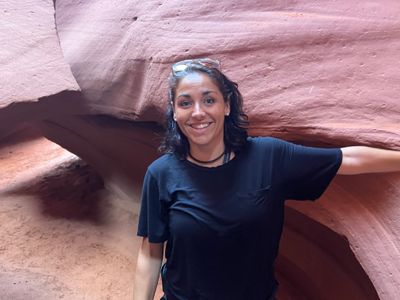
[(91, 76)]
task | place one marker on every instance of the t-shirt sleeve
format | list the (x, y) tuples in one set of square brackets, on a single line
[(153, 222), (306, 172)]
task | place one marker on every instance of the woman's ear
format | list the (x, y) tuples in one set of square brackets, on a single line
[(227, 109)]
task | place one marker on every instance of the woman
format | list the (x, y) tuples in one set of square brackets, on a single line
[(216, 197)]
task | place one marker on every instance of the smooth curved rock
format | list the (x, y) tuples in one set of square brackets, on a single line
[(119, 150), (316, 262), (315, 73), (307, 71), (32, 65), (365, 209)]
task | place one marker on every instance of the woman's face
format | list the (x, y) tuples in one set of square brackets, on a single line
[(199, 110)]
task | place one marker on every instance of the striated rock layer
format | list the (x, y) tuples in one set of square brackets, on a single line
[(315, 72), (309, 70)]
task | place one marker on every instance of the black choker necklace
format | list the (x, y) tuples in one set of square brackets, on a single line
[(207, 161)]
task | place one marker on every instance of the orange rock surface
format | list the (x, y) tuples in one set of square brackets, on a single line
[(90, 76)]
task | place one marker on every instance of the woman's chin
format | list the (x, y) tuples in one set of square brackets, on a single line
[(204, 143), (199, 143)]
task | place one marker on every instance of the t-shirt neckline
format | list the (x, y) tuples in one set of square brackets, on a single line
[(211, 169)]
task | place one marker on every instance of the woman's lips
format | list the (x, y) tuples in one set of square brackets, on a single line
[(199, 128), (200, 125)]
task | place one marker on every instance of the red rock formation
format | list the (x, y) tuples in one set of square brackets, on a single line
[(32, 66), (62, 235), (316, 72), (305, 68)]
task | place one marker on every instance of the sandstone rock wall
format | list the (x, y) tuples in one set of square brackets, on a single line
[(32, 65), (315, 72)]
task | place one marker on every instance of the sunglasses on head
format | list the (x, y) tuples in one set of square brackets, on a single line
[(182, 65)]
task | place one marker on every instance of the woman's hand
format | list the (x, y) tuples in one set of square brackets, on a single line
[(147, 270), (360, 160)]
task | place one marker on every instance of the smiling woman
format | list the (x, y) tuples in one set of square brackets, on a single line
[(199, 89), (199, 111), (222, 230)]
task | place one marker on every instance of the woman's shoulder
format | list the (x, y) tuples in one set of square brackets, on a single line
[(163, 163), (265, 140), (261, 145)]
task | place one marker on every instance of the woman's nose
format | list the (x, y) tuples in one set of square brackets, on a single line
[(198, 110)]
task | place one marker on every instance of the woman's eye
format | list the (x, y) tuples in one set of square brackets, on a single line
[(184, 103), (209, 101)]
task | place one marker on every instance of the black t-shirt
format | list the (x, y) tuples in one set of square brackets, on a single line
[(223, 224)]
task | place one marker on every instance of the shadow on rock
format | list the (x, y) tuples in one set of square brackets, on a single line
[(72, 190)]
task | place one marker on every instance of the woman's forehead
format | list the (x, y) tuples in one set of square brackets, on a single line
[(197, 81)]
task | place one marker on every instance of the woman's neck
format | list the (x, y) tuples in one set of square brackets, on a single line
[(207, 152), (207, 156)]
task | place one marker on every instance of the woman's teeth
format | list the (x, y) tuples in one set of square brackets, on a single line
[(200, 126)]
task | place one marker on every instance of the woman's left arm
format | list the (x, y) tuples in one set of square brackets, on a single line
[(361, 159)]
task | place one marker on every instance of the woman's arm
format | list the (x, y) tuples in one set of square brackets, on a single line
[(147, 270), (361, 159)]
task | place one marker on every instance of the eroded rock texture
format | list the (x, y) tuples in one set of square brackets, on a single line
[(315, 72)]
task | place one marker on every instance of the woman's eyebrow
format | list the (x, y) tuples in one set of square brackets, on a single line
[(208, 92), (205, 93), (183, 95)]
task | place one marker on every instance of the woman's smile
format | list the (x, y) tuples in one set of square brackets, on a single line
[(200, 126)]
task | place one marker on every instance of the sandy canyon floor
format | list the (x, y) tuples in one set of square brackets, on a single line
[(62, 234)]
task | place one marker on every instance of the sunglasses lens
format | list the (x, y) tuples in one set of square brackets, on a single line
[(181, 66)]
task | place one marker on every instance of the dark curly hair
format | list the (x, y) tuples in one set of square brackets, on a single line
[(235, 125)]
